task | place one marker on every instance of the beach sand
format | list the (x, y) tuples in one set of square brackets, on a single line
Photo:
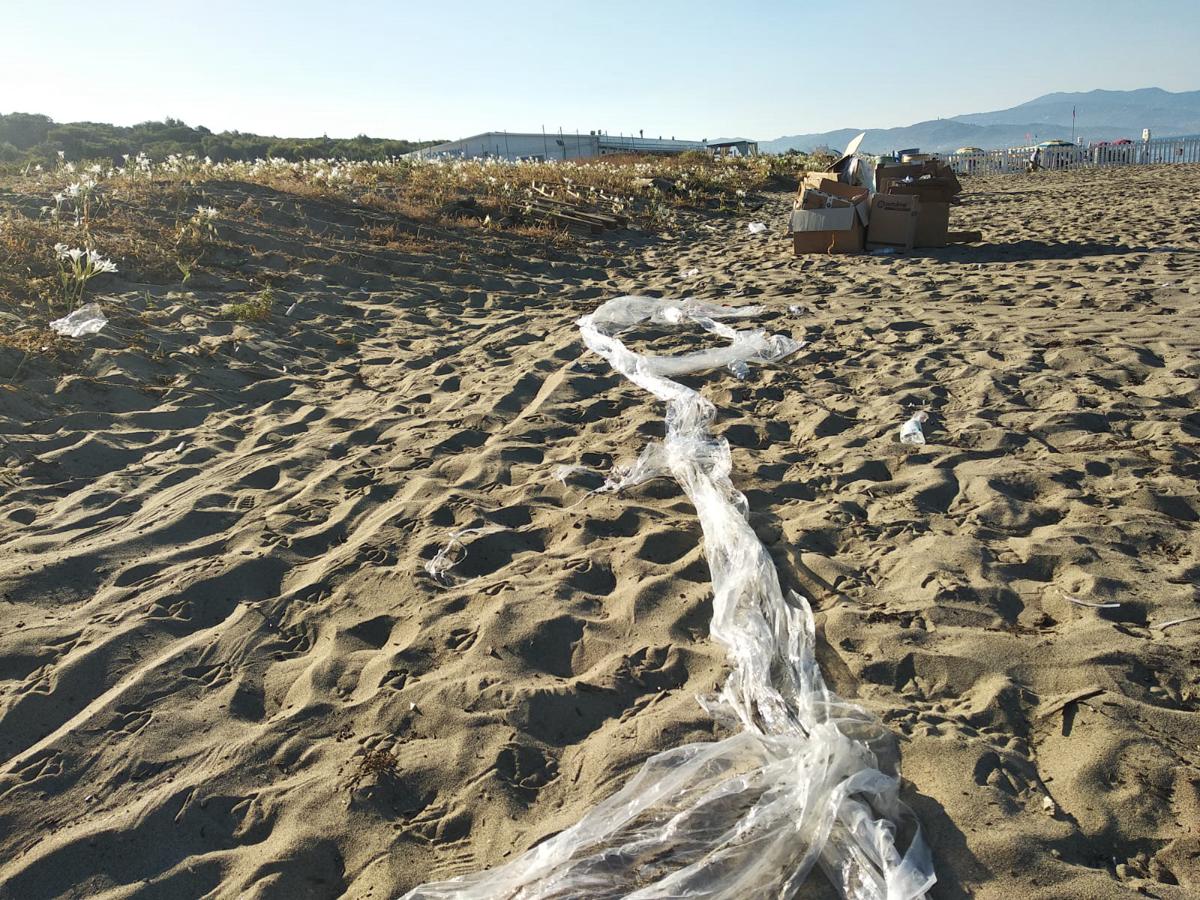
[(225, 672)]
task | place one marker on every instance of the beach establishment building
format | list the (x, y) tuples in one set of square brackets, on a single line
[(737, 147), (541, 147)]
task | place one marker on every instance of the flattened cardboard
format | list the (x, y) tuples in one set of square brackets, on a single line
[(893, 220), (836, 219)]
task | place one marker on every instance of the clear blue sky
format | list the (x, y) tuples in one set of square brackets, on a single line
[(450, 68)]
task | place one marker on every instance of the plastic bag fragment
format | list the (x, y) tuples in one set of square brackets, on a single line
[(453, 552), (87, 319), (911, 432), (809, 780)]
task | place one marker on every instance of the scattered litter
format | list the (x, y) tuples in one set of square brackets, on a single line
[(1048, 805), (1163, 625), (85, 320), (291, 309), (454, 551), (181, 446), (796, 309), (756, 227), (883, 204), (749, 815), (910, 431), (562, 473), (1088, 604), (691, 273), (412, 707)]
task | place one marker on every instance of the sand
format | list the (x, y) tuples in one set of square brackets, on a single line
[(214, 608)]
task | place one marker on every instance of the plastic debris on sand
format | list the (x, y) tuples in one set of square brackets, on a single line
[(807, 779), (85, 320), (910, 431), (454, 551), (1088, 603)]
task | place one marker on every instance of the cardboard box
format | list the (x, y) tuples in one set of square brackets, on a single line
[(829, 229), (930, 190), (946, 173), (893, 220), (940, 176), (885, 175), (933, 224), (826, 184), (819, 192), (813, 199)]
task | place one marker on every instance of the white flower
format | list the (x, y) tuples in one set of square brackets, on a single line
[(100, 265), (60, 250)]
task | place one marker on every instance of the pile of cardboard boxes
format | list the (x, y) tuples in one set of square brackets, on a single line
[(860, 204)]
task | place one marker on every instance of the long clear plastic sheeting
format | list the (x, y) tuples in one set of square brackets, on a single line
[(808, 780)]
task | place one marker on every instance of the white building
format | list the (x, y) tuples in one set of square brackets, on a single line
[(541, 147)]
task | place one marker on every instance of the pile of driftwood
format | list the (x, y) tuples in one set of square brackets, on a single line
[(575, 215)]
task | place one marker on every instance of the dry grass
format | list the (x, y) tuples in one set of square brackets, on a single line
[(375, 764), (145, 217)]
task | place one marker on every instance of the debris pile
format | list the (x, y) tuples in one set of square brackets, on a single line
[(877, 203), (572, 214)]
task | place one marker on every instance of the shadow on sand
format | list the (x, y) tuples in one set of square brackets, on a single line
[(1016, 251)]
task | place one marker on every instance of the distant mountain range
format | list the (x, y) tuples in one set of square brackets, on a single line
[(1100, 116)]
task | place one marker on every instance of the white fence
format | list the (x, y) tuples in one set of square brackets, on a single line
[(1016, 159)]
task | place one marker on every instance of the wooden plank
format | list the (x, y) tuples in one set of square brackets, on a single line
[(590, 219), (552, 204)]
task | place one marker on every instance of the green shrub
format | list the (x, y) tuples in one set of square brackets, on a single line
[(256, 309)]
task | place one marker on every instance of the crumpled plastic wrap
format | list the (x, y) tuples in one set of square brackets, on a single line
[(809, 780), (87, 319)]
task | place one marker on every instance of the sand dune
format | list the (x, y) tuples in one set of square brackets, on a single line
[(225, 671)]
